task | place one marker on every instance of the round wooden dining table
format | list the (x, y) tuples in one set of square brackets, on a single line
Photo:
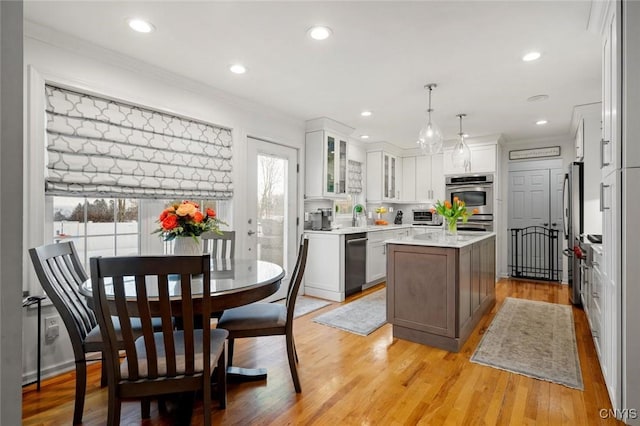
[(234, 282)]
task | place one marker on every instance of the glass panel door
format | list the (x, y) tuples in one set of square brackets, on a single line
[(272, 192), (342, 187), (331, 165)]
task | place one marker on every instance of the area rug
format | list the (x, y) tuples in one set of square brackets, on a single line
[(362, 316), (306, 304), (535, 339)]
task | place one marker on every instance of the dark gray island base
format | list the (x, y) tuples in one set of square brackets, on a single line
[(439, 287)]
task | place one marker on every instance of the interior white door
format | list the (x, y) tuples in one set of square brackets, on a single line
[(272, 187), (529, 205)]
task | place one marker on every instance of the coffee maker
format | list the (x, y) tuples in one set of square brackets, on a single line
[(326, 218), (321, 219)]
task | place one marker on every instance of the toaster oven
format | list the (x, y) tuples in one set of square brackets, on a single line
[(426, 217)]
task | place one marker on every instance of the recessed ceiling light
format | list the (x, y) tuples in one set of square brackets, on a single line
[(538, 98), (366, 113), (237, 69), (320, 33), (364, 137), (531, 56), (541, 122), (140, 25)]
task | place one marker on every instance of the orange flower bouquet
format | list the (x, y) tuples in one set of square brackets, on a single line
[(186, 220), (452, 212)]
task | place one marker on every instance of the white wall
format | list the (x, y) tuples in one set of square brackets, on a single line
[(59, 58), (567, 155)]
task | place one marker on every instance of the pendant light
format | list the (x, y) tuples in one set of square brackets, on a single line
[(461, 155), (430, 138)]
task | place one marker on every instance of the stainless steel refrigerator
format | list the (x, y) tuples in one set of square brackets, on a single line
[(573, 224)]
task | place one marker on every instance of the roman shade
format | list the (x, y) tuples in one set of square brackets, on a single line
[(355, 177), (101, 147)]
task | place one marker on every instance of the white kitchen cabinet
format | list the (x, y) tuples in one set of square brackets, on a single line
[(326, 164), (423, 178), (579, 141), (324, 271), (377, 252), (376, 262), (610, 143), (483, 160), (383, 176)]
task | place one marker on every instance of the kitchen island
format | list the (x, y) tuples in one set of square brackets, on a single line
[(439, 286)]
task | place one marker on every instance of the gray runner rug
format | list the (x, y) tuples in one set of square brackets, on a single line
[(362, 316), (306, 304), (535, 339)]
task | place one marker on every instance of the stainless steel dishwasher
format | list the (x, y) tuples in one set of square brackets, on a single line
[(355, 263)]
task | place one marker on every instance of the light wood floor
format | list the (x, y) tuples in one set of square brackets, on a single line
[(373, 380)]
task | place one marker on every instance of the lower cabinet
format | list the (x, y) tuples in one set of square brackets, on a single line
[(324, 272), (377, 252), (437, 295)]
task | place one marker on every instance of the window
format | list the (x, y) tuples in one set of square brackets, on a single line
[(343, 205), (97, 226), (111, 226)]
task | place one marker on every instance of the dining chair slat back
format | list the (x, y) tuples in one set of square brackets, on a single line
[(265, 319), (60, 273), (220, 245), (157, 362)]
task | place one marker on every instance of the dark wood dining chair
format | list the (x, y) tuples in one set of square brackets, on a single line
[(220, 246), (268, 319), (60, 273), (165, 362)]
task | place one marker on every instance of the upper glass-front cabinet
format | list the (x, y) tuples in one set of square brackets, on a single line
[(325, 165), (336, 165)]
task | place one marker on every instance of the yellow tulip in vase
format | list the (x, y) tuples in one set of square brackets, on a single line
[(452, 212)]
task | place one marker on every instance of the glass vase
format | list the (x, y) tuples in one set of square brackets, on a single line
[(187, 246), (451, 226)]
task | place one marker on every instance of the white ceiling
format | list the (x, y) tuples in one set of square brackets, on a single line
[(379, 58)]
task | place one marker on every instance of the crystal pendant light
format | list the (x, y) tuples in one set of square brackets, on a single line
[(461, 155), (430, 138)]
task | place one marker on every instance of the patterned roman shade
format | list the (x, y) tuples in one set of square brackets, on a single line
[(100, 147), (355, 177)]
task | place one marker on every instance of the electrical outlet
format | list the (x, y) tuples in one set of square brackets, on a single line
[(51, 327)]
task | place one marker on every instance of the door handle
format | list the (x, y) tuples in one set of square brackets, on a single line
[(602, 206), (250, 232), (602, 144), (545, 224), (554, 224)]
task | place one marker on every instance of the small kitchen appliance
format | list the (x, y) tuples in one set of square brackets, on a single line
[(426, 217), (326, 216)]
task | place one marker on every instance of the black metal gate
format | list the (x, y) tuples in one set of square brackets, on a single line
[(534, 253)]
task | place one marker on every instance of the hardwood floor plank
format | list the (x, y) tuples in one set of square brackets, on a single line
[(353, 380)]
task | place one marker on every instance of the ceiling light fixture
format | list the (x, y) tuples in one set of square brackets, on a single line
[(237, 69), (364, 137), (541, 122), (320, 33), (430, 138), (461, 155), (531, 56), (140, 25), (366, 113)]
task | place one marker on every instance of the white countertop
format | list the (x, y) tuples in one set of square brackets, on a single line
[(438, 238), (354, 229)]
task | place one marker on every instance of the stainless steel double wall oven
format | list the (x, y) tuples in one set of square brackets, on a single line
[(477, 193)]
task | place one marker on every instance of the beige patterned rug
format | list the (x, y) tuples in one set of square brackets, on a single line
[(535, 339)]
